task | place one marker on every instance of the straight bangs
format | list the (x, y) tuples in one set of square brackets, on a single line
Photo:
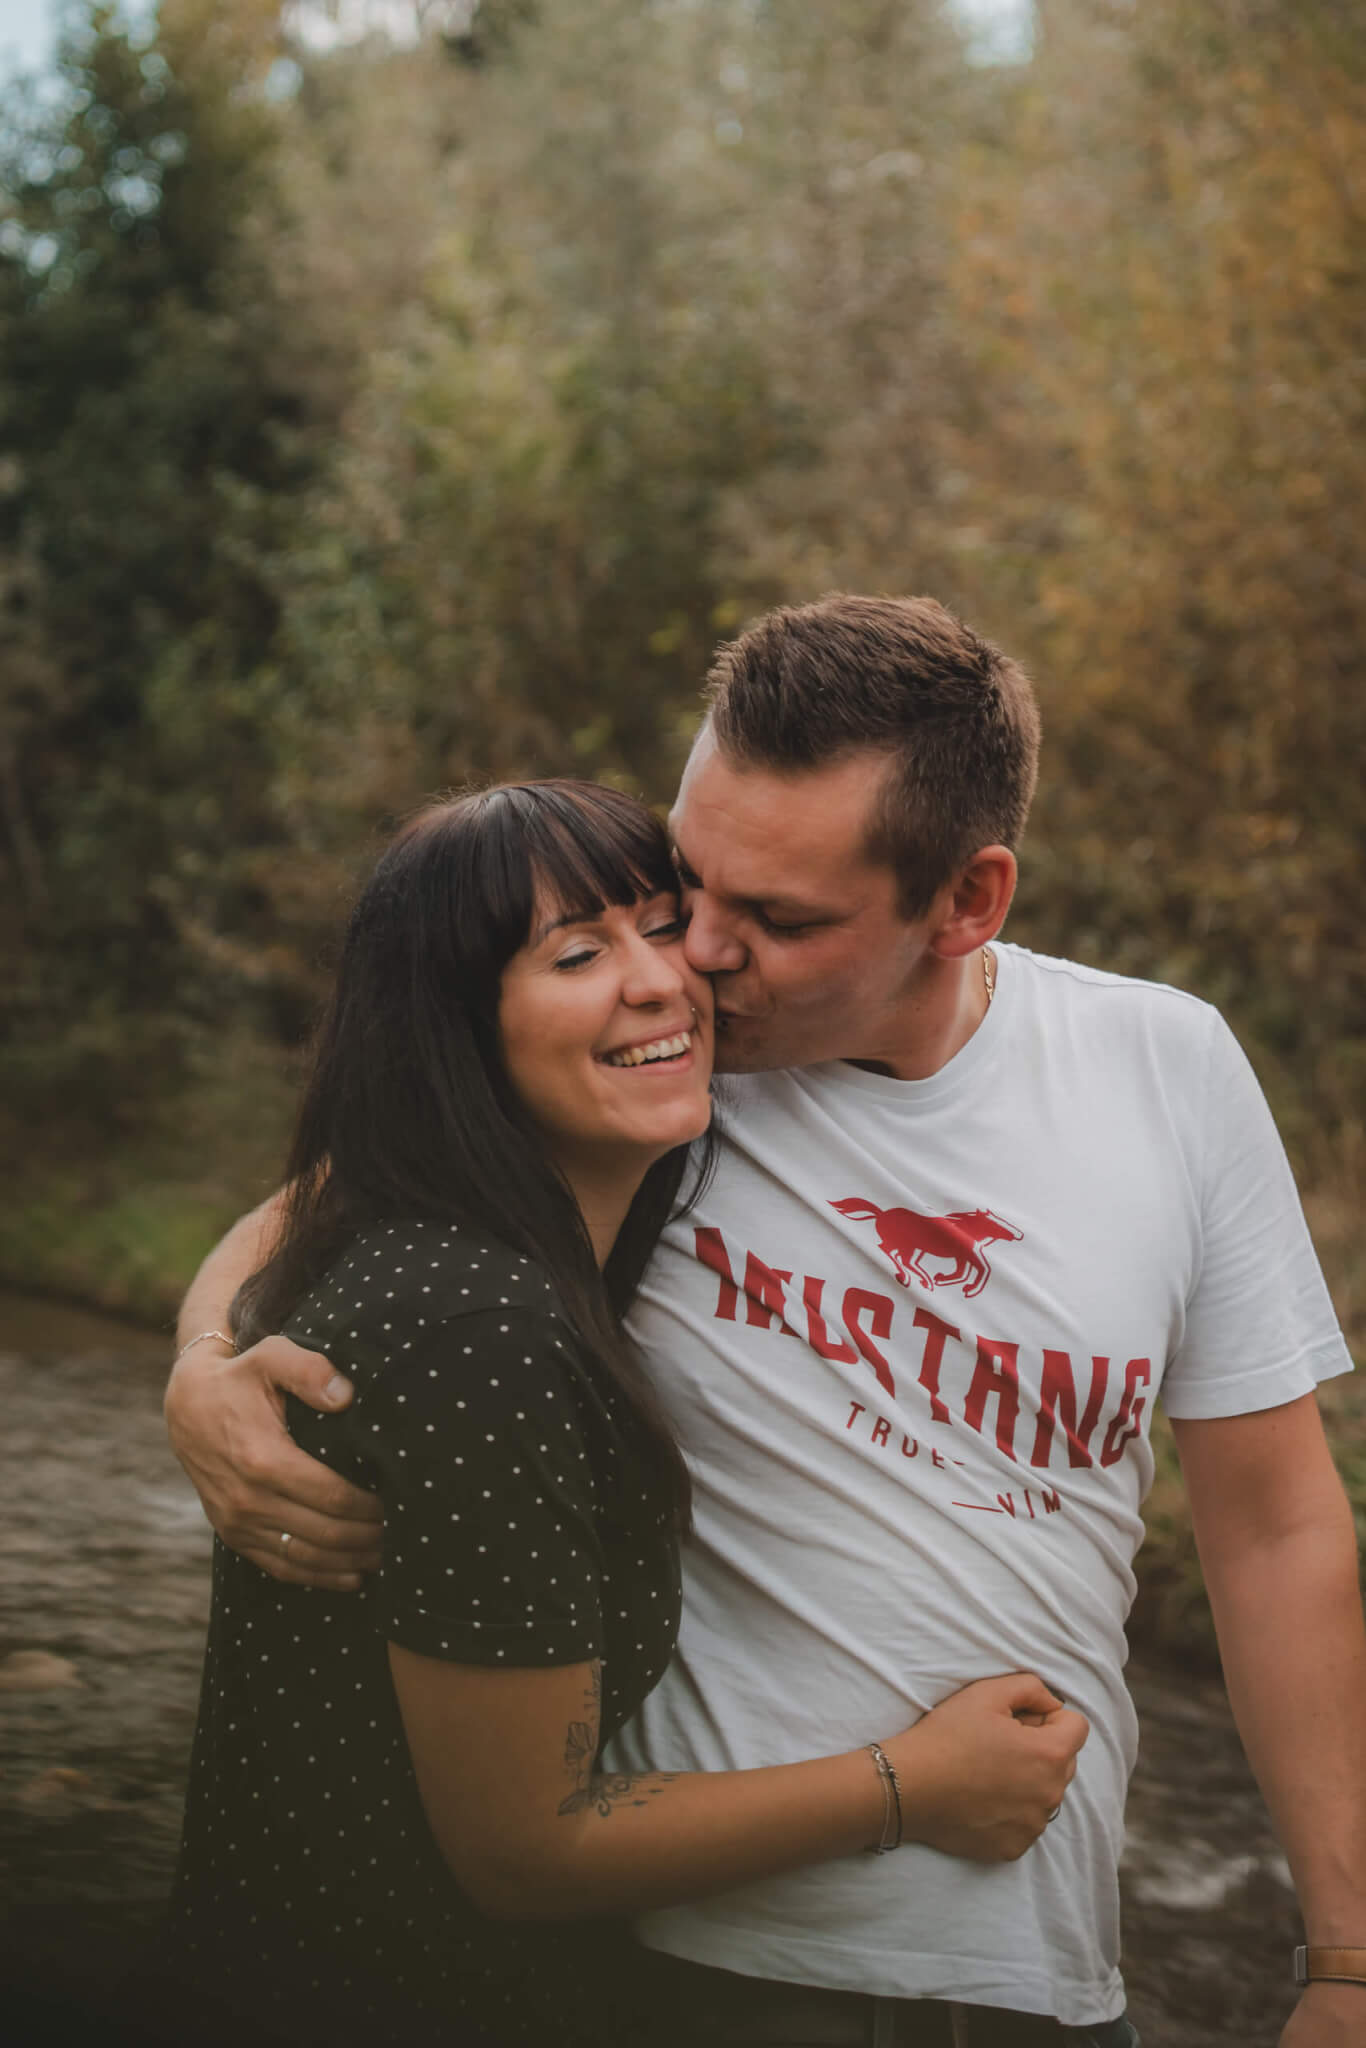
[(576, 847)]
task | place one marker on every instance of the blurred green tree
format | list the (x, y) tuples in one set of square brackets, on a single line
[(1160, 257), (151, 430)]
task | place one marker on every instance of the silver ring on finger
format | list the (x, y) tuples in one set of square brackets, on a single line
[(1054, 1814), (285, 1539)]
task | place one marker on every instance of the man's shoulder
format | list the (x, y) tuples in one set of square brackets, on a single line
[(1045, 988), (1049, 971)]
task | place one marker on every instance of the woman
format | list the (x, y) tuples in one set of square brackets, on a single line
[(395, 1795)]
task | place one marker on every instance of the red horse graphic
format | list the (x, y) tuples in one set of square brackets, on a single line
[(909, 1239)]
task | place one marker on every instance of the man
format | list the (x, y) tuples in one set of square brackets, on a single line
[(976, 1209)]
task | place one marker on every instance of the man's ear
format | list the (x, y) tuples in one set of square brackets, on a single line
[(972, 908)]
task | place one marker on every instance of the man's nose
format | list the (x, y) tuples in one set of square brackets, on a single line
[(710, 945)]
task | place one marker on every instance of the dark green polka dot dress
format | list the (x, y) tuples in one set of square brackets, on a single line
[(521, 1528)]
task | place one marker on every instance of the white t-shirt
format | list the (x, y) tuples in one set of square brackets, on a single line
[(910, 1340)]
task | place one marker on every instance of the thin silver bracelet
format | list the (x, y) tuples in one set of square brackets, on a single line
[(221, 1335), (891, 1800)]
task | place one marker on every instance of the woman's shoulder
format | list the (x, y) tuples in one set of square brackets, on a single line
[(399, 1278)]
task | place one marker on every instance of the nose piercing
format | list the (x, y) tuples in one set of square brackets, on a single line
[(695, 1017)]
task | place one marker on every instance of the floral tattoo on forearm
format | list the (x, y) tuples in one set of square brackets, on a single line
[(603, 1791)]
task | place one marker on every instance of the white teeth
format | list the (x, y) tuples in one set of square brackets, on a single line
[(657, 1049)]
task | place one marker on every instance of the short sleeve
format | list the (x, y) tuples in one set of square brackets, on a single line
[(479, 1442), (1260, 1327)]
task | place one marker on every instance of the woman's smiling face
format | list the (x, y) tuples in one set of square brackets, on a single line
[(607, 1032)]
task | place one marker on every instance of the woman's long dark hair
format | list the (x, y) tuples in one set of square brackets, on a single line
[(408, 1110)]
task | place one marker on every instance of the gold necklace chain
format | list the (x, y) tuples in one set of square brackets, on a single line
[(989, 975)]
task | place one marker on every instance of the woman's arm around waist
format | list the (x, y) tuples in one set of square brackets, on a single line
[(505, 1767)]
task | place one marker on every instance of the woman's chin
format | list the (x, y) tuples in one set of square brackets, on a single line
[(668, 1132), (693, 1120), (672, 1118), (677, 1131)]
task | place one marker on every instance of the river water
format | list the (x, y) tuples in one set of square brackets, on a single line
[(103, 1596)]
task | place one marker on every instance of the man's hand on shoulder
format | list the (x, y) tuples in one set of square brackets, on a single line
[(1328, 2016), (226, 1419)]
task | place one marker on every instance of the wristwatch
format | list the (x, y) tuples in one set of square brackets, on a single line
[(1338, 1965)]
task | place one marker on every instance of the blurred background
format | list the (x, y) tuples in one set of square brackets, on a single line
[(393, 392)]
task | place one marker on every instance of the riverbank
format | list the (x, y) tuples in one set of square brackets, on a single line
[(119, 1222), (103, 1598)]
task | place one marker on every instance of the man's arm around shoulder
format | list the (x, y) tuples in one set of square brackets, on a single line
[(226, 1417), (1278, 1549)]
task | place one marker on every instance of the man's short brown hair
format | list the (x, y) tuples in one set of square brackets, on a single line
[(813, 683)]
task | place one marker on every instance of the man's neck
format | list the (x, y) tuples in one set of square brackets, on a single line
[(935, 1021)]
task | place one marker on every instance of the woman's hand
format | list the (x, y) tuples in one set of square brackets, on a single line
[(226, 1420), (982, 1774)]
